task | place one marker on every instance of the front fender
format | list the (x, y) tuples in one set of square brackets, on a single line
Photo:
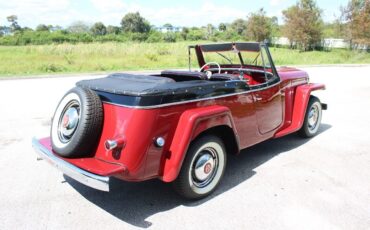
[(302, 96), (191, 124)]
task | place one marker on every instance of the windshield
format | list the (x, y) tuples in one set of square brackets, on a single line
[(238, 58), (232, 55)]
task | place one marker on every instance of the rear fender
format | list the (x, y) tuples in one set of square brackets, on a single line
[(192, 123), (302, 96)]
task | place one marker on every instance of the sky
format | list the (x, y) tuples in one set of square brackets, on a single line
[(179, 13)]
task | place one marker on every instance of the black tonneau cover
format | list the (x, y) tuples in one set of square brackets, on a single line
[(145, 85)]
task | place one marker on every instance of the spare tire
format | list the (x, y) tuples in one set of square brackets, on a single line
[(77, 123)]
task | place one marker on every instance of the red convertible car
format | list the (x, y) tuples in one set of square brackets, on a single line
[(179, 126)]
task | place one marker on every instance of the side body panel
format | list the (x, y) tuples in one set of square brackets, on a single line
[(290, 79), (191, 124), (302, 96), (269, 109), (182, 123)]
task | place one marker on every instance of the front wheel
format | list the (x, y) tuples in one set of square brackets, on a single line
[(312, 118), (203, 168)]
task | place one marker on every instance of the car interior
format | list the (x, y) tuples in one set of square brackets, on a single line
[(251, 77), (247, 62)]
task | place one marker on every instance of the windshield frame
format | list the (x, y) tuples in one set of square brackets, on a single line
[(219, 48), (239, 47)]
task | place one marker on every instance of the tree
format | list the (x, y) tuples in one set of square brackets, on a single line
[(98, 29), (275, 28), (42, 27), (2, 31), (113, 29), (222, 27), (259, 26), (239, 26), (333, 29), (303, 24), (133, 22), (78, 27), (209, 31), (184, 33), (14, 26), (356, 15), (168, 26), (27, 29)]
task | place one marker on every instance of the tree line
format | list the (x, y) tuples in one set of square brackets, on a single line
[(303, 26)]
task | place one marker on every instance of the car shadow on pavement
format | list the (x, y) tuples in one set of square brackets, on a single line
[(134, 202)]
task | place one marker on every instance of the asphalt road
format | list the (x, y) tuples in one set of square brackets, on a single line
[(287, 183)]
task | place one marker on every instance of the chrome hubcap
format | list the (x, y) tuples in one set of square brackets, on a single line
[(205, 167), (68, 121), (313, 117)]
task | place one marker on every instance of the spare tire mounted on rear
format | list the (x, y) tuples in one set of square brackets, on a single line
[(77, 123)]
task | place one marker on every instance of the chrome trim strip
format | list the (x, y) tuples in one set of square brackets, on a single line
[(80, 175), (189, 101)]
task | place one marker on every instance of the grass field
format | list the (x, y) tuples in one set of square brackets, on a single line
[(98, 57)]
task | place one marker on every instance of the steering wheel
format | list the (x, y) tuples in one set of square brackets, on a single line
[(207, 64)]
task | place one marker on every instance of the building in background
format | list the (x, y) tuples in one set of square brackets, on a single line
[(168, 28)]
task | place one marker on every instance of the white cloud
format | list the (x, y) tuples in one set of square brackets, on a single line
[(194, 16), (276, 2), (35, 4), (33, 12), (64, 12), (112, 11), (108, 6)]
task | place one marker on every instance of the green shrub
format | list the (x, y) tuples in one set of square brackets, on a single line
[(195, 35), (29, 37), (155, 37), (51, 68), (169, 37), (138, 37)]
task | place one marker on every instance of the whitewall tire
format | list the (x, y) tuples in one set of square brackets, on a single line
[(77, 123), (202, 169)]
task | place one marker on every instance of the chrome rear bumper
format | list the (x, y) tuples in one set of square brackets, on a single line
[(80, 175)]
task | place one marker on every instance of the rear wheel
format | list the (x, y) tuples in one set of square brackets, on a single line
[(77, 123), (312, 118), (203, 168)]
